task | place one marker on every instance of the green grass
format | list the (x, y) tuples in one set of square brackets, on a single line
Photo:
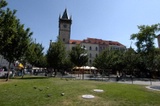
[(34, 91)]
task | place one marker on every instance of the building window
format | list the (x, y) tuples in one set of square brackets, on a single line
[(90, 61), (90, 55), (96, 55), (90, 48), (73, 48), (96, 48), (63, 39)]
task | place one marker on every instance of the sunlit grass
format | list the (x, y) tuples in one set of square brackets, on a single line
[(40, 91)]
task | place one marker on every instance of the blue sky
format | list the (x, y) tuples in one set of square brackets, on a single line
[(112, 20)]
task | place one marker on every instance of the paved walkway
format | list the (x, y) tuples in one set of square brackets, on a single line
[(153, 85), (113, 79), (157, 83)]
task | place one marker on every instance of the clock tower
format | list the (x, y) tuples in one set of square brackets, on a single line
[(65, 27)]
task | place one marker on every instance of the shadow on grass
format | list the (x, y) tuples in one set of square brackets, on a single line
[(30, 77)]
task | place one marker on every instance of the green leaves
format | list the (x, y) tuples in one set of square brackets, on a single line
[(56, 54), (14, 38), (78, 56), (34, 54), (3, 3), (110, 60), (145, 37)]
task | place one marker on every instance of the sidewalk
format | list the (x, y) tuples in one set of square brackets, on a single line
[(113, 79), (141, 82)]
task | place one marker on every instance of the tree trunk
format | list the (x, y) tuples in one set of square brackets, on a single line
[(22, 73), (8, 74), (55, 72), (23, 70)]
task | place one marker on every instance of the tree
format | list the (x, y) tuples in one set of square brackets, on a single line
[(103, 60), (118, 60), (42, 61), (78, 56), (110, 60), (14, 38), (56, 55), (145, 37), (67, 65), (34, 55), (145, 45), (38, 51), (131, 59)]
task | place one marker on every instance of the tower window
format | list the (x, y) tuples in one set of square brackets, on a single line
[(63, 39), (65, 26)]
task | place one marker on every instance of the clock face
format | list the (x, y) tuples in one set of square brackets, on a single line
[(65, 26)]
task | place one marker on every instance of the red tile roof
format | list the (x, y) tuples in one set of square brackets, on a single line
[(75, 41), (96, 41)]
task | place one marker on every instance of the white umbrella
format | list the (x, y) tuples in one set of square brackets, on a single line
[(76, 67), (93, 68)]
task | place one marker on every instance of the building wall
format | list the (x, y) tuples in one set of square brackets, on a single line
[(158, 39), (64, 32), (115, 47), (3, 62), (103, 47), (92, 51)]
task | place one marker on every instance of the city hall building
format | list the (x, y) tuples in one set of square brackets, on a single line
[(94, 46)]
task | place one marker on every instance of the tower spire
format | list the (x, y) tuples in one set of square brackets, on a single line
[(65, 15)]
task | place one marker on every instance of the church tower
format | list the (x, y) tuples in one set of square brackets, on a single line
[(65, 27)]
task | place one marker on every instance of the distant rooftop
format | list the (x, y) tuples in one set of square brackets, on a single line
[(95, 41)]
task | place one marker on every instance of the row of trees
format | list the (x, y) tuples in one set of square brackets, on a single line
[(60, 59), (146, 59)]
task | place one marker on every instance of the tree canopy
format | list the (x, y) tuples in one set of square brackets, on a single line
[(78, 56), (145, 37)]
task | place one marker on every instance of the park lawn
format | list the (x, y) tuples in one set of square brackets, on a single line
[(42, 91)]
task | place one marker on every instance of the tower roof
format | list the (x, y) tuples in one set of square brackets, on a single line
[(65, 15)]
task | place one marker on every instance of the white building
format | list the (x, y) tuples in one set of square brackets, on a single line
[(93, 45)]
